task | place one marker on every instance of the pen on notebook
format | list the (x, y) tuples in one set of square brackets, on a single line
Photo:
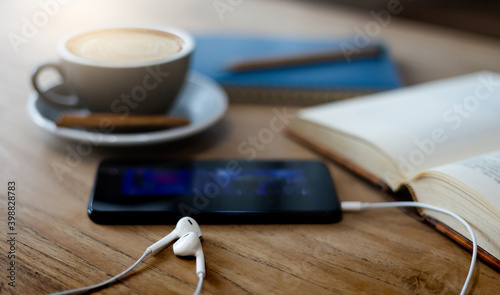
[(96, 120), (278, 62)]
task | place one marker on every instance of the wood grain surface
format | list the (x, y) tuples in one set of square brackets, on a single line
[(57, 246)]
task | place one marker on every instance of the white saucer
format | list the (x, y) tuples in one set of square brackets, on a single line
[(202, 100)]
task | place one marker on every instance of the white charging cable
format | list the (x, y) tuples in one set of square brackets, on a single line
[(359, 206)]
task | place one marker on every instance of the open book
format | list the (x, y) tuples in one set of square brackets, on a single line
[(440, 141)]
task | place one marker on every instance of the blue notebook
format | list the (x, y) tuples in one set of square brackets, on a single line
[(305, 84)]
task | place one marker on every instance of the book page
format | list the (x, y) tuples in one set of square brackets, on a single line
[(422, 126), (469, 188), (481, 174)]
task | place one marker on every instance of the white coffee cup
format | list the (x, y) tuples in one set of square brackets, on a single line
[(120, 69)]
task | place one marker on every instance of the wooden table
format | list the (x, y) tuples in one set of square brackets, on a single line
[(57, 247)]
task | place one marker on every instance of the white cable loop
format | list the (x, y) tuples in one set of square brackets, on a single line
[(358, 206)]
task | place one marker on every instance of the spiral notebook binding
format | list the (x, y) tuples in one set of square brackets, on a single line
[(297, 97)]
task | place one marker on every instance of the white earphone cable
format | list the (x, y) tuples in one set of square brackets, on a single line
[(121, 275), (358, 206), (200, 284), (346, 206), (186, 228), (124, 273)]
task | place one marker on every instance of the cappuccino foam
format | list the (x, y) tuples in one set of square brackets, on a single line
[(125, 45)]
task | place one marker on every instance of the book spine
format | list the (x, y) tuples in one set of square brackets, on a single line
[(340, 160)]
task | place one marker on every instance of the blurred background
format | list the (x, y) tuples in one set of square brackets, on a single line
[(47, 18), (30, 29), (475, 16)]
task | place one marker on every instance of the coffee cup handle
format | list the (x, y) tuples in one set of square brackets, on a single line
[(66, 99)]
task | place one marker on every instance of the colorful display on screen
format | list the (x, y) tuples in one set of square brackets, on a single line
[(261, 182)]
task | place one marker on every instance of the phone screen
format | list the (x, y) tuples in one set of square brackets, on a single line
[(231, 191)]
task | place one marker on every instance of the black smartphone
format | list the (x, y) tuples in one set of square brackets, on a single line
[(160, 191)]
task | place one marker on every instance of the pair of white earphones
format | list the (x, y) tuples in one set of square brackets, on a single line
[(189, 236), (187, 232)]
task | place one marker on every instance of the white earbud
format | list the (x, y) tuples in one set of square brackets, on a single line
[(184, 226), (188, 232), (190, 245)]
